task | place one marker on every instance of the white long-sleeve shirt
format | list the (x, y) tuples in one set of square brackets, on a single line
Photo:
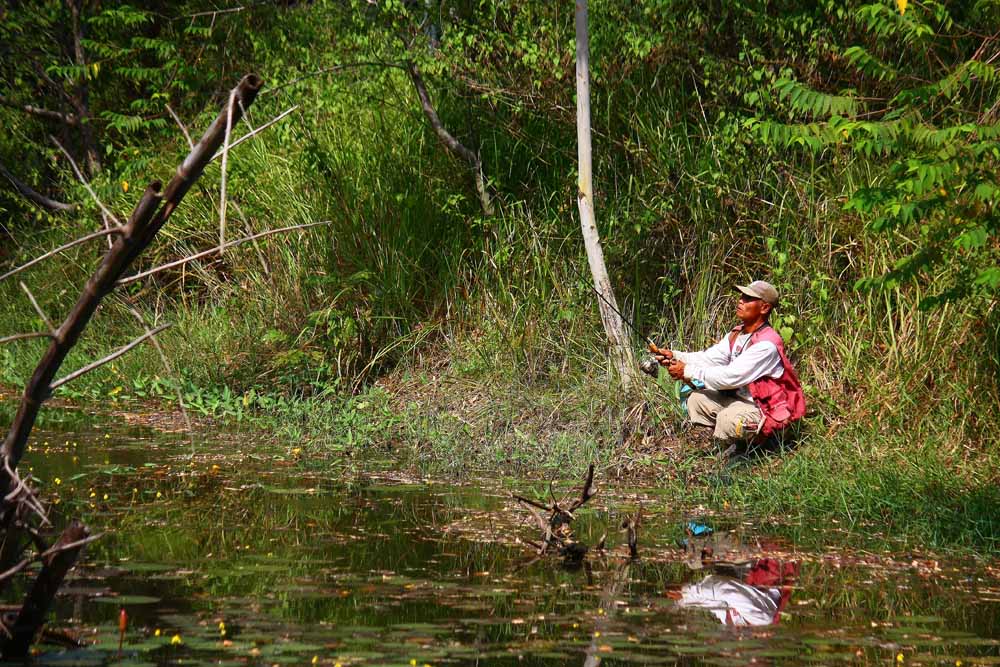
[(721, 369), (732, 601)]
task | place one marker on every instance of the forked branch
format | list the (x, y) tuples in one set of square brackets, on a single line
[(556, 529)]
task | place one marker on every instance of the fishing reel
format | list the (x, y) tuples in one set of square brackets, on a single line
[(650, 366)]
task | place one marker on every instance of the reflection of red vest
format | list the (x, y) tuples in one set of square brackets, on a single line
[(780, 400)]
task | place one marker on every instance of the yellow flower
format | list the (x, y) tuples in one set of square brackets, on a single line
[(57, 480), (902, 6), (176, 639), (124, 186), (156, 633), (159, 495), (315, 659), (899, 656), (105, 496)]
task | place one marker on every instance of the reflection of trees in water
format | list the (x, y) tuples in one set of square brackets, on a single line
[(325, 544)]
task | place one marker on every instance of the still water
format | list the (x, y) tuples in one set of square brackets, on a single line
[(235, 551)]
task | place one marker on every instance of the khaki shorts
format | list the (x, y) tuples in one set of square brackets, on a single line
[(734, 419)]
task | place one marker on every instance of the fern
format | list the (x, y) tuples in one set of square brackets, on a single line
[(805, 100), (882, 22), (869, 64)]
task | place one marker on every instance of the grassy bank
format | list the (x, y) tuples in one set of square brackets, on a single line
[(414, 329)]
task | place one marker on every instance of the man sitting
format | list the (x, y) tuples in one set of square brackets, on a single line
[(751, 389)]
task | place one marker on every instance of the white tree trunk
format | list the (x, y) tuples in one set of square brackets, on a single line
[(620, 349)]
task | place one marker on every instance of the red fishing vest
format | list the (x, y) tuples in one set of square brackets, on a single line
[(780, 400)]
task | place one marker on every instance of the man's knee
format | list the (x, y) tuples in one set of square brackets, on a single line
[(702, 409), (737, 422)]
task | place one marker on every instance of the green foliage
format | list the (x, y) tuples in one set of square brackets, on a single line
[(816, 144), (939, 138)]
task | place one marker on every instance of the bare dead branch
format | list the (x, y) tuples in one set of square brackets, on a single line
[(58, 548), (214, 12), (33, 195), (38, 309), (557, 529), (150, 214), (225, 162), (250, 135), (24, 336), (51, 551), (449, 141), (79, 175), (65, 118), (631, 527), (532, 503), (215, 250), (256, 246), (180, 124), (111, 357), (23, 495), (63, 247), (170, 369), (587, 492), (55, 566)]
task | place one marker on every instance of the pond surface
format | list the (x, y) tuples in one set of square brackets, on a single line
[(240, 555)]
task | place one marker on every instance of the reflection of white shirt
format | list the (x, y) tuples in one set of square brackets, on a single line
[(745, 605), (721, 369)]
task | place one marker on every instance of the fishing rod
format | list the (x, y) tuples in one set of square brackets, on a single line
[(590, 284), (650, 344)]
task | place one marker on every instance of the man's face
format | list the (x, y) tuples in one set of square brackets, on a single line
[(750, 309)]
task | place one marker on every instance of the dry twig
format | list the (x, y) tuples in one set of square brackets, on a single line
[(111, 357), (212, 251)]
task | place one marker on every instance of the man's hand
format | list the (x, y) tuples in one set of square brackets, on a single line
[(676, 369), (662, 355)]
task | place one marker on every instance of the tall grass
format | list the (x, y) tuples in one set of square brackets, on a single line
[(486, 331)]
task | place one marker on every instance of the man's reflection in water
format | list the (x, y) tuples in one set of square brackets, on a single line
[(757, 597)]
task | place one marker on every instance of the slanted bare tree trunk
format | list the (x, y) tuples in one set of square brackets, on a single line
[(450, 142), (18, 503), (618, 341)]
